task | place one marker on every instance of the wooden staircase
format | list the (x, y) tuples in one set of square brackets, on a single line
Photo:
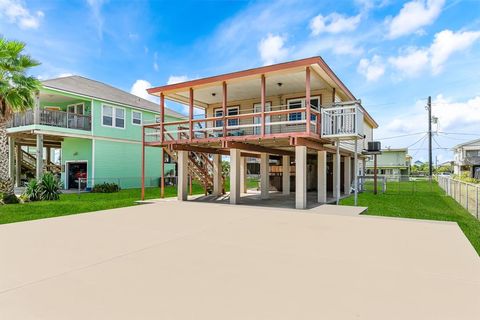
[(200, 168), (29, 163)]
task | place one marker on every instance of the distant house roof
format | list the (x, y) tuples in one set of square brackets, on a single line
[(96, 89), (418, 162), (395, 150), (471, 142)]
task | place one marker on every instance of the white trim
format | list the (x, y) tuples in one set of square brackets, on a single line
[(66, 171), (141, 117), (71, 135), (114, 117), (75, 105)]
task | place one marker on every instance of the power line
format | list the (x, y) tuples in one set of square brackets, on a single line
[(460, 133), (422, 138), (401, 136)]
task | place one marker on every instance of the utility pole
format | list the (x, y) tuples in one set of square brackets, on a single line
[(429, 109)]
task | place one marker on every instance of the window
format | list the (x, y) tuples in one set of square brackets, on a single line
[(136, 118), (158, 119), (295, 104), (300, 103), (107, 116), (113, 116), (231, 111)]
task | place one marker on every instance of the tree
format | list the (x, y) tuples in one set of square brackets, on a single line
[(17, 94)]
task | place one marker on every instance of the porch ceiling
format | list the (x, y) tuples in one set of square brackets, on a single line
[(276, 84), (48, 97)]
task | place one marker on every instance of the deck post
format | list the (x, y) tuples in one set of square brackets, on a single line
[(243, 175), (162, 178), (300, 177), (286, 175), (235, 156), (264, 175), (142, 195), (224, 107), (190, 114), (355, 172), (182, 183), (162, 116), (263, 102), (18, 166), (308, 111), (36, 109), (39, 155), (11, 158), (347, 177), (217, 174), (322, 176), (336, 172), (48, 154)]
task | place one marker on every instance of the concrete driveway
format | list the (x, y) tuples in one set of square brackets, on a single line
[(192, 260)]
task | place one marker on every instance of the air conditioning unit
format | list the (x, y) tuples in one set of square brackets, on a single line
[(374, 146)]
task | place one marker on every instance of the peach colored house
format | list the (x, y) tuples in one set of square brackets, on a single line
[(297, 114)]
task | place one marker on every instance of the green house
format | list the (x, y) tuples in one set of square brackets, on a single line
[(86, 132)]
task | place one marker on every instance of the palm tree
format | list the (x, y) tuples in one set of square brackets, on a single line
[(17, 94)]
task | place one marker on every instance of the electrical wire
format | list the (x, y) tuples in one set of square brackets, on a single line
[(401, 136)]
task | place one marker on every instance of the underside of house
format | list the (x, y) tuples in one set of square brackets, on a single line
[(301, 122)]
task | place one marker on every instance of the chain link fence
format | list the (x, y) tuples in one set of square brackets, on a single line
[(466, 194), (395, 184)]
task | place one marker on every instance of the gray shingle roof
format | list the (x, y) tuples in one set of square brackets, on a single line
[(100, 90)]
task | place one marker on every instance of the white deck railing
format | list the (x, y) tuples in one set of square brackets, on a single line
[(342, 121)]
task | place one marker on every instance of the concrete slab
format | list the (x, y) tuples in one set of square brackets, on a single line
[(189, 260)]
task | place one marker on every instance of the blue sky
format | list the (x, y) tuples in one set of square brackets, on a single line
[(391, 54)]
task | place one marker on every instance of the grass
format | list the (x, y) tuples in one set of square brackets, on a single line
[(419, 200), (87, 202), (79, 203)]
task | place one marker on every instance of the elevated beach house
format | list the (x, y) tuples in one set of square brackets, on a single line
[(298, 114), (467, 158), (87, 132), (391, 163)]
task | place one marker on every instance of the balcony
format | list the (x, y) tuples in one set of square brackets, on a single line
[(342, 121), (339, 121), (52, 118)]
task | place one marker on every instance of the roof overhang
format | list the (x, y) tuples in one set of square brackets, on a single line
[(321, 73)]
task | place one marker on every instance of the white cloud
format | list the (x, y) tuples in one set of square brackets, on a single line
[(412, 62), (333, 23), (15, 11), (177, 79), (413, 16), (96, 9), (445, 43), (372, 69), (139, 88), (448, 42), (272, 49)]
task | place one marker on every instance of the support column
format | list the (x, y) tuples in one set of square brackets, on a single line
[(11, 158), (355, 173), (235, 156), (36, 109), (243, 175), (217, 174), (264, 176), (18, 166), (39, 156), (162, 178), (300, 177), (286, 175), (307, 99), (48, 151), (347, 177), (182, 183), (322, 176), (336, 173)]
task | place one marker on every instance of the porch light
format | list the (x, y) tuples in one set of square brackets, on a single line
[(279, 84), (213, 94)]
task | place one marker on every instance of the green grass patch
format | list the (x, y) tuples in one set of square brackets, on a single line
[(83, 202), (419, 200)]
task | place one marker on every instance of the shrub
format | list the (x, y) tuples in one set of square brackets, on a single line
[(106, 188), (32, 191), (10, 199), (50, 187)]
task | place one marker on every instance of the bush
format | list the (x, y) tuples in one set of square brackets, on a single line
[(10, 199), (106, 188), (32, 191), (50, 187)]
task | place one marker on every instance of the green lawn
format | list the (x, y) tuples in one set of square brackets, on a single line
[(419, 200), (86, 202)]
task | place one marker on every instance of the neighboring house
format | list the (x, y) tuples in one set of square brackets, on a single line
[(85, 131), (467, 158), (391, 162), (418, 163), (263, 113)]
